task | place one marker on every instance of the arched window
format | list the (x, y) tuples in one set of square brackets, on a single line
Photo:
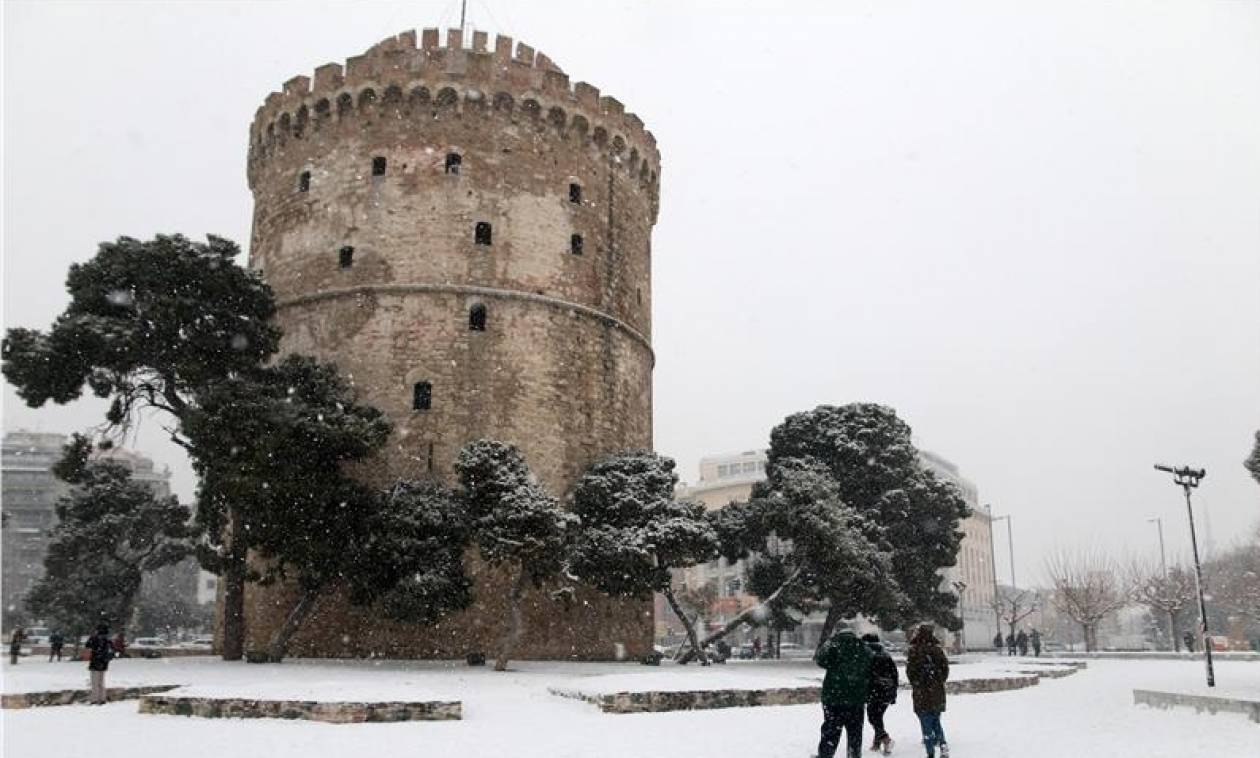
[(575, 193), (345, 257), (304, 181), (477, 318), (481, 234), (422, 396), (575, 244), (378, 166), (453, 162)]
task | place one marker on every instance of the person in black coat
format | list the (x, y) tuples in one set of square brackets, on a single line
[(1021, 642), (55, 644), (997, 642), (102, 652), (1010, 644), (15, 645), (882, 692)]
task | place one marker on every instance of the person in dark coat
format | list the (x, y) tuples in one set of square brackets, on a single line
[(1010, 644), (55, 643), (120, 645), (1187, 638), (848, 663), (927, 668), (101, 652), (997, 642), (1021, 642), (15, 645), (882, 692), (1035, 639)]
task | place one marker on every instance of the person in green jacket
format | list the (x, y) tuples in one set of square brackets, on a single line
[(848, 663)]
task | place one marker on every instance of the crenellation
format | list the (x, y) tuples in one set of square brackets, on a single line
[(514, 68)]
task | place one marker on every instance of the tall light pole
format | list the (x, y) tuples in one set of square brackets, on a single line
[(997, 613), (1187, 479), (1010, 542), (1163, 564)]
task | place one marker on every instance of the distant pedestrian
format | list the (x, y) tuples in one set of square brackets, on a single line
[(997, 643), (1187, 638), (120, 645), (15, 645), (1035, 639), (101, 652), (55, 643), (1010, 644), (848, 663), (756, 648), (882, 692), (927, 668), (1021, 642)]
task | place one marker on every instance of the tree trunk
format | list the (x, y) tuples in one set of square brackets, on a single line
[(1090, 641), (745, 616), (688, 624), (829, 623), (280, 641), (1172, 631), (508, 645), (233, 628)]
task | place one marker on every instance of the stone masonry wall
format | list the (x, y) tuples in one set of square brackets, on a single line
[(563, 368)]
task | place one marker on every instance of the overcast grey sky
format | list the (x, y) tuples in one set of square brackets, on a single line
[(1033, 228)]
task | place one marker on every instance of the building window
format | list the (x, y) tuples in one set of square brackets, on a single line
[(345, 257), (575, 193), (422, 396), (482, 233), (304, 181), (575, 244), (477, 318), (378, 166), (453, 162)]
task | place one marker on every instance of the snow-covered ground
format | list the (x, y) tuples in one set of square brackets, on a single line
[(512, 714)]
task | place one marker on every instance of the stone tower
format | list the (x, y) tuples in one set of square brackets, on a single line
[(468, 236)]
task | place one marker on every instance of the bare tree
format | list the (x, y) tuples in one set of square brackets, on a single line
[(1013, 606), (1087, 588), (1165, 595), (1234, 579)]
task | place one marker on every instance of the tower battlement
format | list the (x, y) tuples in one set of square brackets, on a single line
[(512, 79)]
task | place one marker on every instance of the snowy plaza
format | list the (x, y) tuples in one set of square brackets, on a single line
[(1090, 713)]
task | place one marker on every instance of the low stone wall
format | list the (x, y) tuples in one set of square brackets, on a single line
[(656, 701), (1201, 703), (1219, 655), (693, 700), (72, 697), (308, 710)]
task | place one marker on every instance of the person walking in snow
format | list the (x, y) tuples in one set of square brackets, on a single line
[(101, 652), (1035, 639), (927, 668), (848, 663), (881, 693), (1010, 644), (15, 645), (55, 643), (1021, 642), (997, 643), (1187, 638)]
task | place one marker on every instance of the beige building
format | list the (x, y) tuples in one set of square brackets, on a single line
[(728, 478)]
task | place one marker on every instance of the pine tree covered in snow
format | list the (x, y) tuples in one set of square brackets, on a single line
[(516, 525), (1252, 463), (151, 325), (868, 454), (110, 531), (413, 564), (633, 531), (272, 447)]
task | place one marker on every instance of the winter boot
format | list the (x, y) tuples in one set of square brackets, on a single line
[(888, 745), (875, 743), (944, 750)]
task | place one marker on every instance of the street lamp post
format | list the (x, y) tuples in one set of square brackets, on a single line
[(1187, 479)]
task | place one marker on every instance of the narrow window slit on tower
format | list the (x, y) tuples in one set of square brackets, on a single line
[(378, 166), (575, 193), (422, 396), (453, 162), (304, 181), (481, 233), (430, 457), (477, 318), (575, 244), (345, 257)]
